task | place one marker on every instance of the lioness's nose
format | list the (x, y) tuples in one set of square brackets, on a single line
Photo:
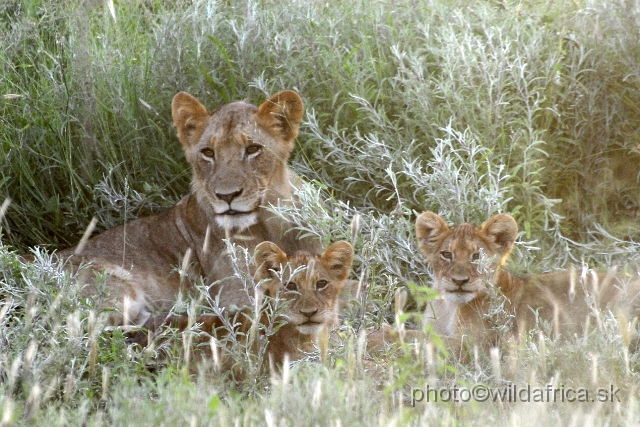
[(228, 197), (460, 281), (309, 312)]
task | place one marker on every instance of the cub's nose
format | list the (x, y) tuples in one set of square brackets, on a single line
[(460, 281), (309, 312), (228, 197)]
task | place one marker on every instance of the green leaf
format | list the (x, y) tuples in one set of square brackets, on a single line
[(213, 404)]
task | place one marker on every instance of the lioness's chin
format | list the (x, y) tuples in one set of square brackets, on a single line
[(237, 221), (461, 297), (310, 328)]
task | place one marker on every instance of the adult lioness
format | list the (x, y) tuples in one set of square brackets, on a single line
[(238, 153), (308, 285), (467, 308)]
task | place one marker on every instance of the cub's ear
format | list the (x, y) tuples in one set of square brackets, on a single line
[(337, 259), (269, 256), (189, 115), (281, 114), (502, 229), (429, 228)]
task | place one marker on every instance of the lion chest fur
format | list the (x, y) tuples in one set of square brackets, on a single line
[(310, 286), (301, 290), (563, 302), (484, 305), (238, 155)]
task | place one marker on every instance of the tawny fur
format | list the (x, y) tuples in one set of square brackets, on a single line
[(238, 154), (567, 301), (308, 285)]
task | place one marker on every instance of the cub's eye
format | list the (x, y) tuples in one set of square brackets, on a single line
[(475, 256), (321, 285), (253, 149), (446, 255), (208, 152), (290, 286)]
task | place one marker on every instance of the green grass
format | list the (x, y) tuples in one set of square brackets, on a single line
[(466, 109)]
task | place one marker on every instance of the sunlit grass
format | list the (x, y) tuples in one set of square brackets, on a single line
[(465, 109)]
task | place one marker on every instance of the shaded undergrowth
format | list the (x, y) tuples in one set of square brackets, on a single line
[(467, 110)]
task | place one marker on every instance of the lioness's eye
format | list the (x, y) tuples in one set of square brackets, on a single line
[(446, 255), (253, 149), (475, 256), (208, 152), (321, 285), (290, 286)]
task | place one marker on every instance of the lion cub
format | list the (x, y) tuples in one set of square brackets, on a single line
[(467, 306), (308, 285)]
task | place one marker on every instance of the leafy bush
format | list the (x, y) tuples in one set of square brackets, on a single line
[(464, 109)]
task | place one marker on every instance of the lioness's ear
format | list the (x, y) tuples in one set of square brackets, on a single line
[(429, 228), (503, 230), (281, 114), (188, 115), (337, 259), (269, 256)]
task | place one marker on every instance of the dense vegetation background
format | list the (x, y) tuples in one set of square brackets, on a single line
[(463, 108)]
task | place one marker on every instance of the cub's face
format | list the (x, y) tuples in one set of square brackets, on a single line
[(238, 152), (454, 252), (311, 283)]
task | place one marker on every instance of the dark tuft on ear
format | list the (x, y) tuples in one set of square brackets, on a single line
[(502, 229), (189, 116), (429, 229), (270, 256), (337, 259), (281, 114)]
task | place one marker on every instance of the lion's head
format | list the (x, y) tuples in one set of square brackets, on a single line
[(454, 252), (310, 282), (238, 153)]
